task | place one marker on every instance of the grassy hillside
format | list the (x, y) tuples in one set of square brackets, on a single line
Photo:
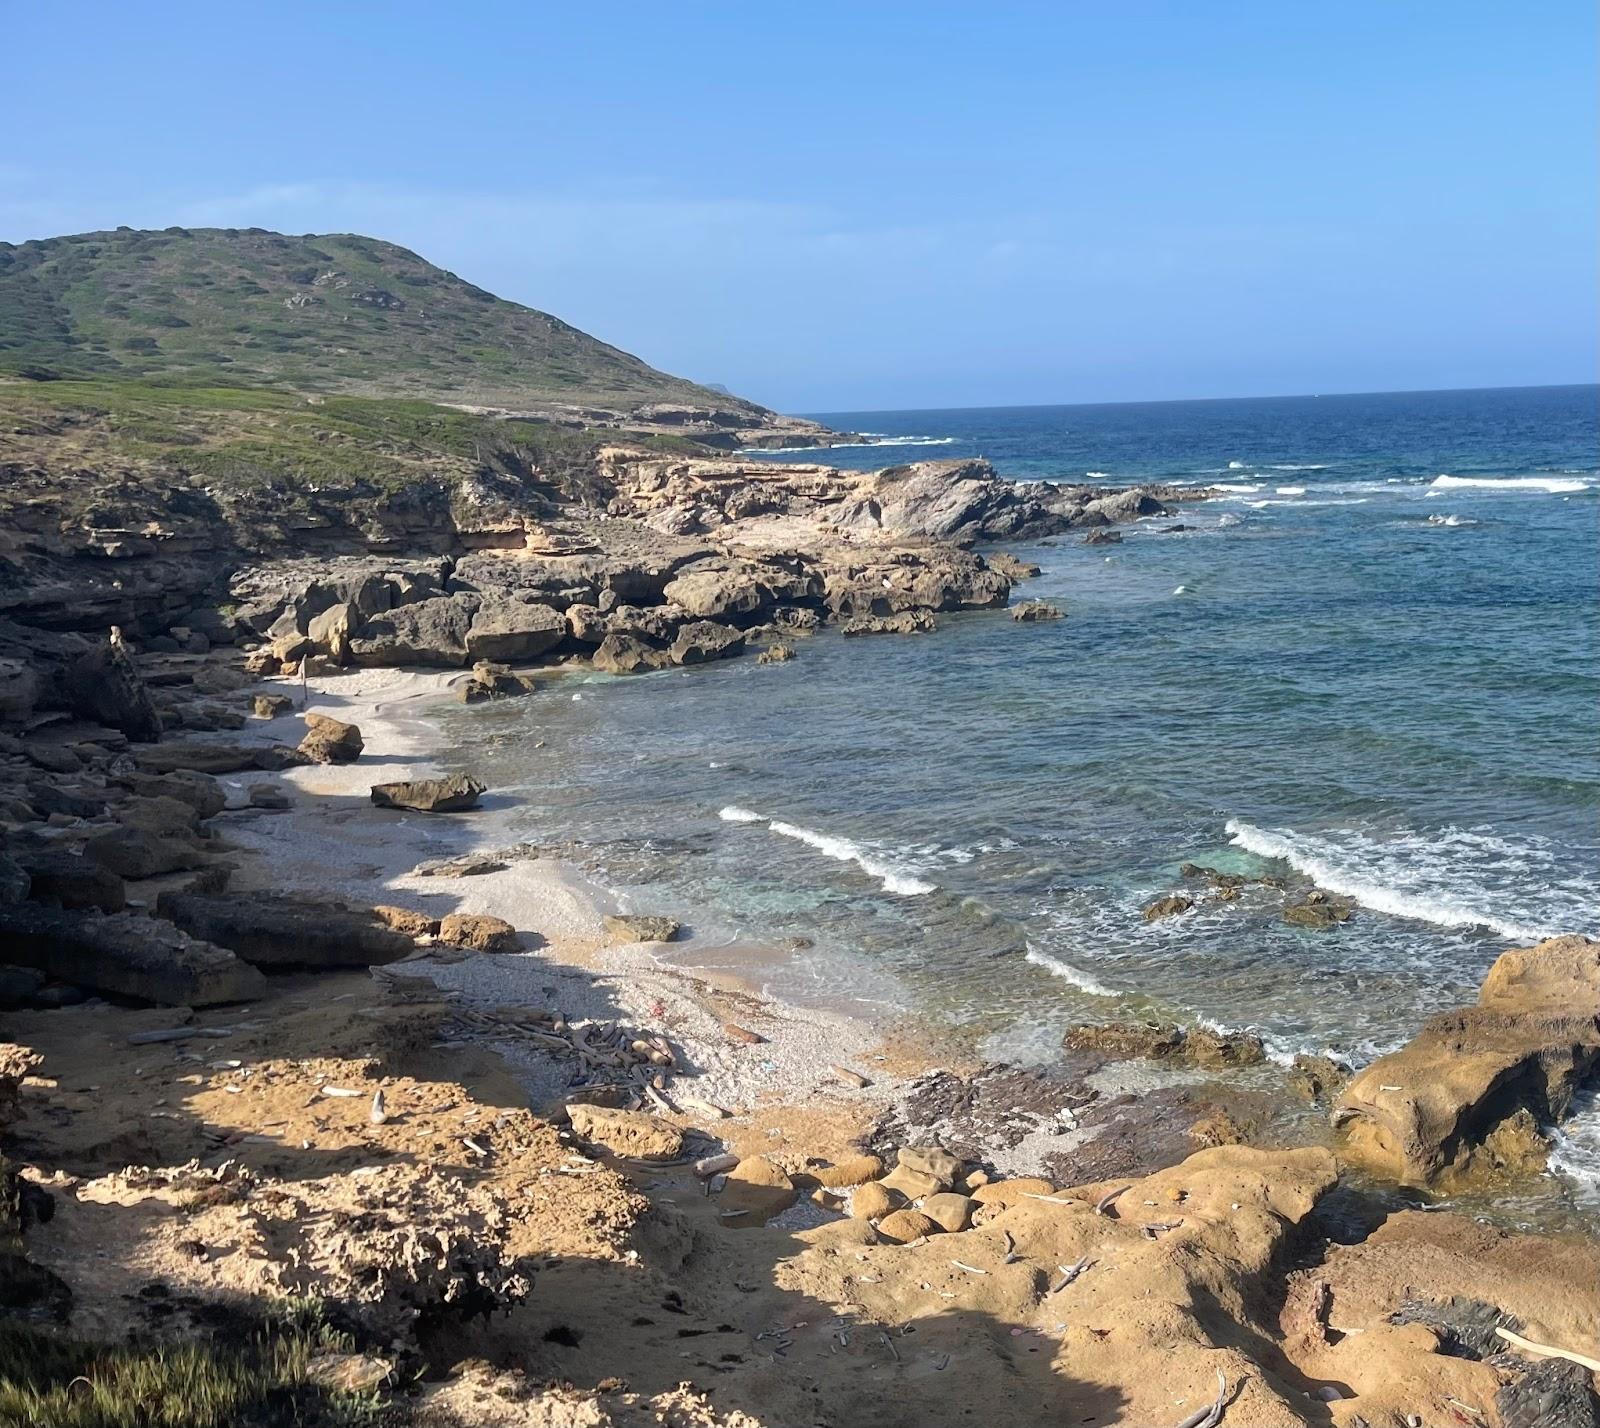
[(234, 438), (333, 313)]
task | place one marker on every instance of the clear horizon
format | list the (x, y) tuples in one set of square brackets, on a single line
[(1196, 401), (891, 208)]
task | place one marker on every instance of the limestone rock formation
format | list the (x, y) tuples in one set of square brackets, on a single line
[(271, 931), (1445, 1106), (125, 954)]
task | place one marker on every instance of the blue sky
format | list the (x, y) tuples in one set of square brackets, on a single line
[(829, 206)]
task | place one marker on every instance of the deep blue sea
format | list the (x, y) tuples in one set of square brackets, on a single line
[(1375, 661)]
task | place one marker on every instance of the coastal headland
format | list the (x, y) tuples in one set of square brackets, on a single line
[(383, 1117)]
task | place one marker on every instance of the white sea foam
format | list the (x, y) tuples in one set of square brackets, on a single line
[(1096, 475), (1236, 466), (1246, 490), (1291, 490), (846, 445), (1068, 973), (1290, 466), (1434, 878), (1552, 485), (901, 881), (1451, 521), (1576, 1146)]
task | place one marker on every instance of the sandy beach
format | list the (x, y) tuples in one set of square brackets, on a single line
[(332, 842)]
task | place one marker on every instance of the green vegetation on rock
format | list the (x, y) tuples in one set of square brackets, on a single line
[(330, 313)]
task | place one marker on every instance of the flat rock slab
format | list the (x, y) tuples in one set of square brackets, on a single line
[(125, 954), (270, 931)]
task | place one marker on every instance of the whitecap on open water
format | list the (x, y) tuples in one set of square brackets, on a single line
[(1394, 697)]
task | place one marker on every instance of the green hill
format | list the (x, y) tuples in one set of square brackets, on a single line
[(335, 313)]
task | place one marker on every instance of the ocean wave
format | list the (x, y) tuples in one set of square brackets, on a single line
[(1096, 475), (1291, 490), (1451, 521), (1331, 501), (1067, 972), (1551, 485), (1427, 878), (1237, 465), (1290, 466), (898, 880), (1245, 490)]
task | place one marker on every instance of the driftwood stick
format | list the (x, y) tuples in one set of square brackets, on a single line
[(1548, 1351)]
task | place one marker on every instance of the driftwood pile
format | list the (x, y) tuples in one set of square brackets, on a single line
[(606, 1053)]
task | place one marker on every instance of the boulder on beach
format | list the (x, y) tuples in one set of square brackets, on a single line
[(268, 930), (330, 741), (62, 879), (622, 928), (478, 932), (125, 954), (453, 794), (270, 706), (1461, 1098), (492, 681)]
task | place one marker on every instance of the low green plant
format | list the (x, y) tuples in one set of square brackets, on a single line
[(247, 1376)]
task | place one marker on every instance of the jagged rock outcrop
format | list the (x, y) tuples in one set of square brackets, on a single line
[(1469, 1094)]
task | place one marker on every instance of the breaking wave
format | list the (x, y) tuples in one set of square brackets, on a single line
[(1552, 485), (1430, 879), (898, 880), (1068, 973)]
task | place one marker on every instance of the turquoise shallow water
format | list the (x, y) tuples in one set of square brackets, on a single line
[(1373, 662)]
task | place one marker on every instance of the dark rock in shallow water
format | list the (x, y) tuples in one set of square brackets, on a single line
[(1169, 906), (1318, 913), (1030, 611), (454, 794), (124, 954), (1103, 537), (702, 641), (270, 931), (630, 928), (1199, 1046)]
